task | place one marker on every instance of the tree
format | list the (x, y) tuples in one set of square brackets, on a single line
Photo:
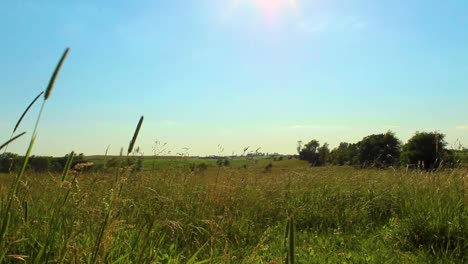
[(313, 153), (425, 149), (40, 163), (9, 162), (379, 149), (344, 154), (324, 153)]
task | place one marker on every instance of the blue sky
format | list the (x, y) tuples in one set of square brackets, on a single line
[(259, 73)]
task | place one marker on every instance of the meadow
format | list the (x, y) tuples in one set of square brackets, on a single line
[(172, 213), (239, 210)]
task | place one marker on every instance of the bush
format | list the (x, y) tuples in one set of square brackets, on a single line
[(380, 150), (202, 167), (427, 150), (313, 153), (223, 162), (344, 154), (40, 164), (9, 162), (114, 162)]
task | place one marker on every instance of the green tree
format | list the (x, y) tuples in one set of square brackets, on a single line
[(313, 153), (323, 153), (425, 149), (40, 163), (379, 150), (9, 162), (344, 154)]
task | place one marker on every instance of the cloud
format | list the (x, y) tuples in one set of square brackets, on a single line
[(462, 127), (391, 126)]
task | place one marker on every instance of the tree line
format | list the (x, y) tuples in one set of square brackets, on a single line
[(10, 162), (425, 150)]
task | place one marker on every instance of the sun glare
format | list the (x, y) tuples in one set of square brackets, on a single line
[(269, 9)]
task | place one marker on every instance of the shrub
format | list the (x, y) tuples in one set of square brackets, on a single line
[(380, 150), (9, 162), (313, 153), (425, 149)]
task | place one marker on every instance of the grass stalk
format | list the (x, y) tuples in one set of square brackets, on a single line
[(14, 188), (22, 116), (5, 145), (289, 241), (67, 165)]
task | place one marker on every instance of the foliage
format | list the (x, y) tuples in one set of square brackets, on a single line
[(379, 150), (344, 154), (323, 154), (223, 162), (9, 162), (313, 153), (426, 149), (200, 167)]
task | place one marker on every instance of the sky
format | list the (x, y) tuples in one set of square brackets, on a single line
[(235, 73)]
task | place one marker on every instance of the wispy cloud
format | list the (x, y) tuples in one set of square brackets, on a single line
[(462, 127)]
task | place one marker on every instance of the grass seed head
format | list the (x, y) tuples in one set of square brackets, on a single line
[(55, 74), (135, 135)]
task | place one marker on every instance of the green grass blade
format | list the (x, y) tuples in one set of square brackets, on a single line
[(26, 111), (11, 195), (193, 259), (291, 241), (67, 165), (11, 140)]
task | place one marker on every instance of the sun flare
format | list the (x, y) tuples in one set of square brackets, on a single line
[(269, 9)]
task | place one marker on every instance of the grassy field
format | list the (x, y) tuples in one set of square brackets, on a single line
[(238, 214)]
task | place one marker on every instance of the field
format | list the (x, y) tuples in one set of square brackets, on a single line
[(172, 212)]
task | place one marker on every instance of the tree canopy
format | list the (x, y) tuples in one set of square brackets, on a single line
[(425, 149), (379, 150)]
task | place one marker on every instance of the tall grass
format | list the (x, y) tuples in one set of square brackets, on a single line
[(340, 215), (114, 196), (234, 215), (6, 211), (21, 119), (4, 145)]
